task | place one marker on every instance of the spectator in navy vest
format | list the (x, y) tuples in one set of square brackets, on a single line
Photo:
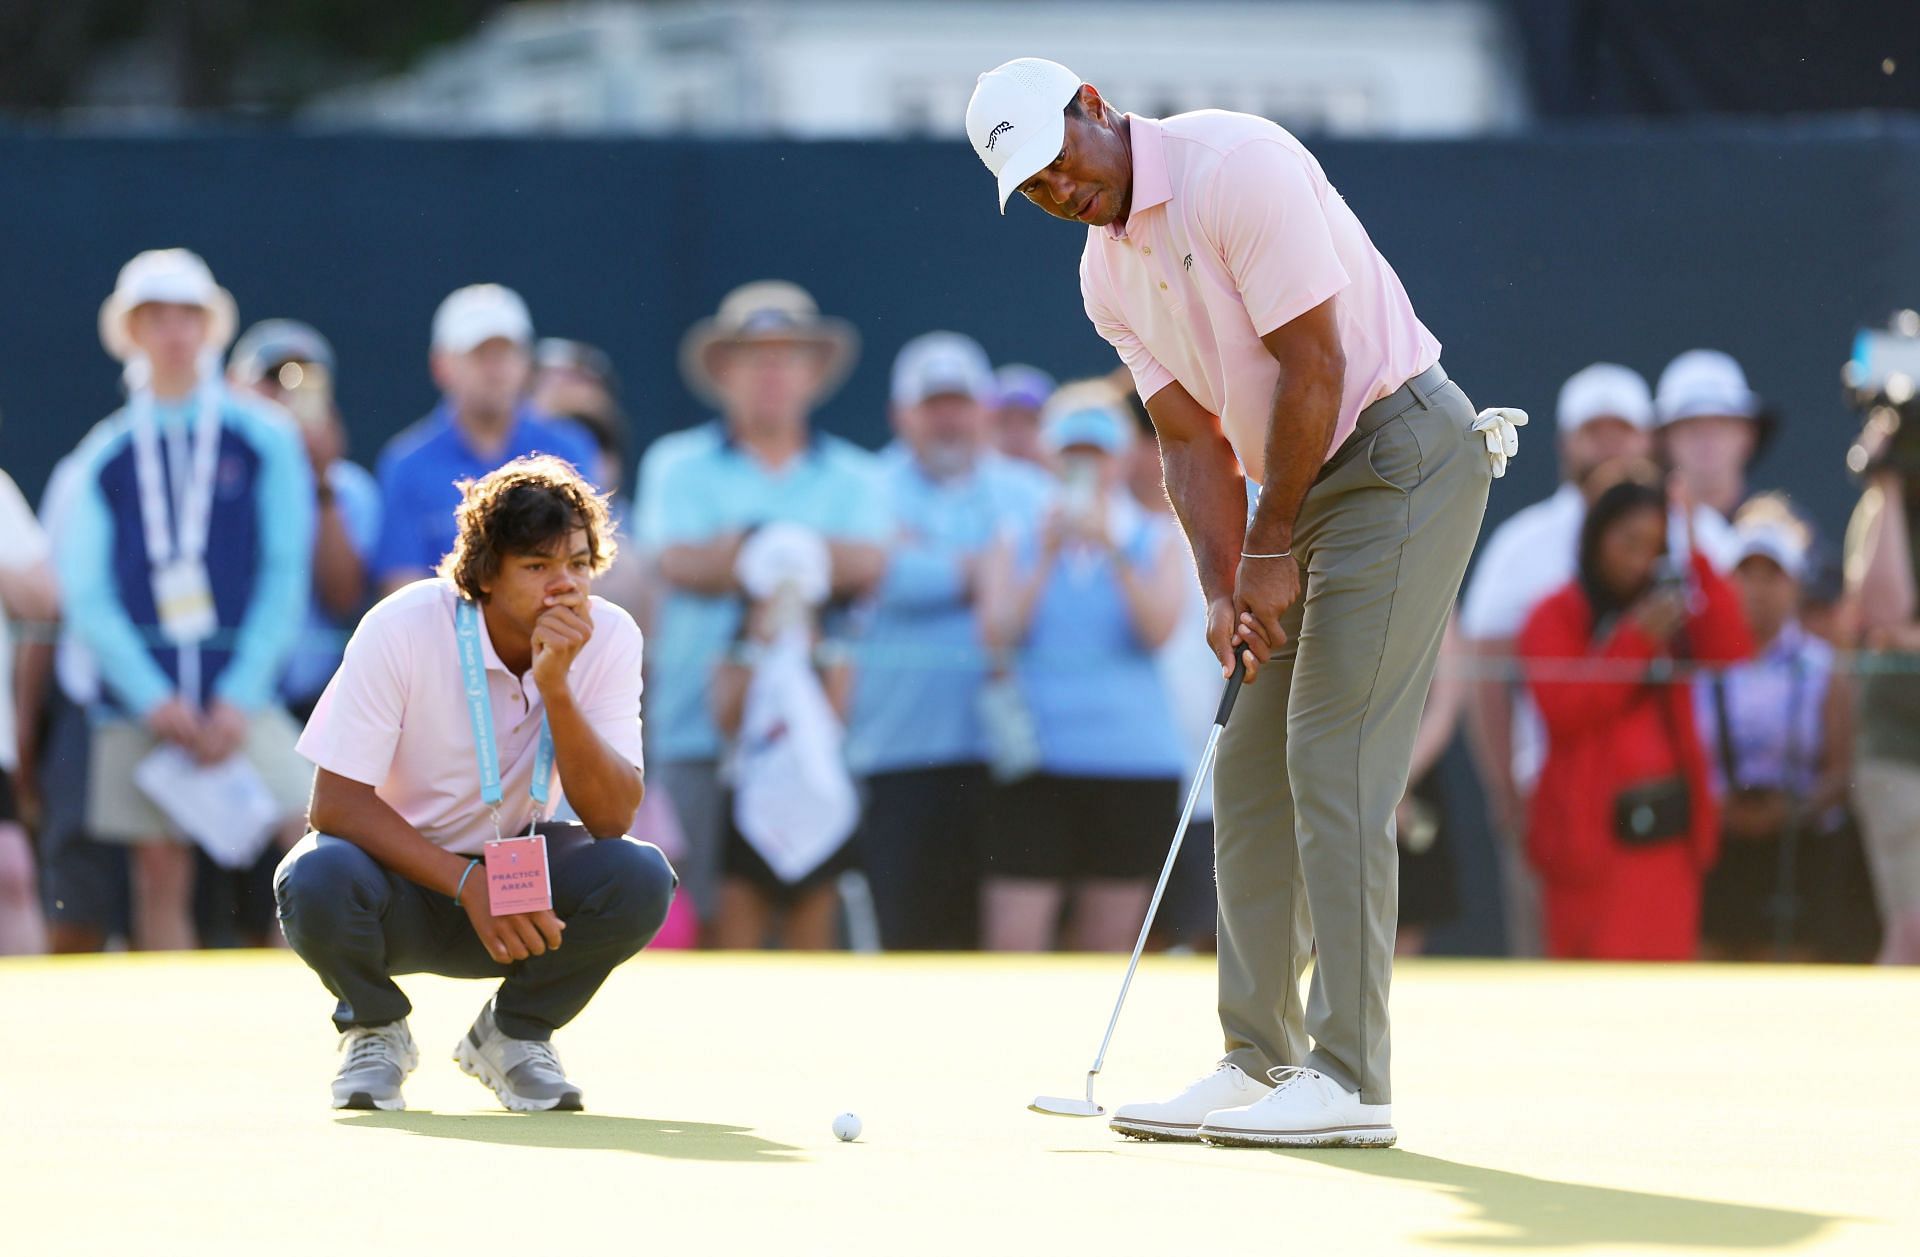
[(482, 360), (292, 365), (766, 359), (183, 560), (917, 732), (1087, 596)]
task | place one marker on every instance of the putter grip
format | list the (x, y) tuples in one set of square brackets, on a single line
[(1233, 687)]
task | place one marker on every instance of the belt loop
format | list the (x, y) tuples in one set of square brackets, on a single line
[(1419, 387)]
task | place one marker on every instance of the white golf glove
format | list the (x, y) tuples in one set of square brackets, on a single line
[(1501, 426)]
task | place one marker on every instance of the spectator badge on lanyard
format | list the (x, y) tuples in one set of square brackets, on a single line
[(176, 522), (516, 867)]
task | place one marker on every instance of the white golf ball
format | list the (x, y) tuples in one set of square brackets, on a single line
[(846, 1127)]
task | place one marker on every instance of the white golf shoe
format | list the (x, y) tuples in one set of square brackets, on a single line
[(1180, 1118), (1305, 1109)]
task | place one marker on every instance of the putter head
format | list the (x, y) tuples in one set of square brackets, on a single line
[(1062, 1106)]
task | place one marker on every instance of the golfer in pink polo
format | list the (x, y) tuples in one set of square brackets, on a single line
[(1331, 480)]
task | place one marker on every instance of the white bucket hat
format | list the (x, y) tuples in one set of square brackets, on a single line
[(177, 276), (1017, 119), (768, 310)]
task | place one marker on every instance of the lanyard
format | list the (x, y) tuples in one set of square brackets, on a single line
[(466, 625), (184, 535)]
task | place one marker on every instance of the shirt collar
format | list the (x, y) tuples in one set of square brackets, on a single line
[(1152, 185), (814, 438), (489, 657), (522, 413), (1787, 642)]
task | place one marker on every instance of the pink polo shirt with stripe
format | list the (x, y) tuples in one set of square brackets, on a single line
[(1233, 232)]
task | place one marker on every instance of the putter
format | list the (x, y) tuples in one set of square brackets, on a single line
[(1067, 1106)]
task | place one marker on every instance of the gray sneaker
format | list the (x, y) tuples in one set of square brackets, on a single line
[(374, 1061), (524, 1073)]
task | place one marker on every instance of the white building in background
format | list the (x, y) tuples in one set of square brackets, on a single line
[(892, 68)]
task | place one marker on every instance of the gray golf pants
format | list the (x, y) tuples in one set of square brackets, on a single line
[(1316, 755)]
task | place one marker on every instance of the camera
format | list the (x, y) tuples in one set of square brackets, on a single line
[(1882, 381), (1669, 576)]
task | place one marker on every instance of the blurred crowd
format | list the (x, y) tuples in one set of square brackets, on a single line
[(944, 695)]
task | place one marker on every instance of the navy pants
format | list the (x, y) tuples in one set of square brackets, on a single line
[(357, 925)]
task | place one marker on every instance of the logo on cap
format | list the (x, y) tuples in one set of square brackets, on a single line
[(995, 133)]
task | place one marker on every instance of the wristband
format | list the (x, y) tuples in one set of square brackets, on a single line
[(1284, 554), (462, 883)]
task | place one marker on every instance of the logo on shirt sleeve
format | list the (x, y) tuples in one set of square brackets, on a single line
[(1187, 261), (998, 130)]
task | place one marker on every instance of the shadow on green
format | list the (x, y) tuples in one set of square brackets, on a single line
[(1519, 1211), (593, 1132)]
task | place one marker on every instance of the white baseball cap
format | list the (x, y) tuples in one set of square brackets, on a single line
[(941, 363), (478, 313), (1017, 119), (1776, 540), (1704, 382), (1605, 390)]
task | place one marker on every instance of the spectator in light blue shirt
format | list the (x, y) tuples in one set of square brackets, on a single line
[(482, 361), (183, 560), (916, 732), (766, 360), (292, 365), (1087, 598)]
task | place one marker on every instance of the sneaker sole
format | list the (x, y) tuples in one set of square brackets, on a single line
[(475, 1066), (1156, 1132), (362, 1100), (1332, 1137)]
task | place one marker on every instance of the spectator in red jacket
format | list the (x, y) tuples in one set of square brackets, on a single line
[(1624, 826)]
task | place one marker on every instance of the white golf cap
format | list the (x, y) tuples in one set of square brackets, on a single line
[(1605, 390), (478, 313), (173, 276), (1776, 540), (1017, 119), (939, 364), (1704, 382)]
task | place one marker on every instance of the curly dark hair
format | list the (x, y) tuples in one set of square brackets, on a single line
[(529, 506)]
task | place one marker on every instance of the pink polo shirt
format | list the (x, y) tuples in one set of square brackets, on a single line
[(395, 715), (1234, 231)]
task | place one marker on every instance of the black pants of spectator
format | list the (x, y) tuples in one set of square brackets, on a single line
[(357, 925), (920, 844), (84, 882), (1189, 913)]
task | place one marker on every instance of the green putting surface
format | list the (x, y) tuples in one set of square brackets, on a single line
[(163, 1105)]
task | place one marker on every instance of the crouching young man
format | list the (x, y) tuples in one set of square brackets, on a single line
[(457, 702)]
